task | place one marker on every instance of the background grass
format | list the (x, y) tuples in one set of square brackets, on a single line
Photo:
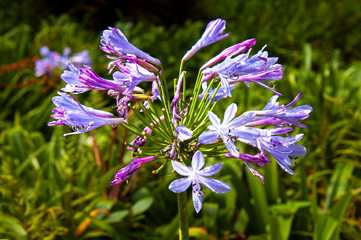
[(54, 187)]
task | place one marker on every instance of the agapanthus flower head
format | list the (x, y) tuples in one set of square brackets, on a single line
[(81, 118), (213, 33), (175, 129), (195, 176), (129, 170), (113, 41)]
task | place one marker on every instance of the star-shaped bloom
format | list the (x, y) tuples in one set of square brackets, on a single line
[(213, 33), (224, 129), (195, 176)]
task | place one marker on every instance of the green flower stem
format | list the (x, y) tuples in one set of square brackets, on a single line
[(196, 90), (209, 107), (183, 215), (165, 103)]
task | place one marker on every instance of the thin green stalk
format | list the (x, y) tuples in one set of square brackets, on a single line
[(201, 104), (196, 91), (183, 215), (206, 109)]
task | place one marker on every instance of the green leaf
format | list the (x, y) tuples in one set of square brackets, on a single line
[(12, 226), (117, 216), (142, 205)]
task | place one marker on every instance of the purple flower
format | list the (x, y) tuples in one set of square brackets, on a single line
[(183, 133), (53, 60), (265, 140), (231, 51), (71, 77), (131, 59), (114, 41), (91, 80), (47, 64), (224, 130), (129, 170), (81, 118), (81, 58), (259, 159), (282, 149), (241, 68), (213, 33), (195, 176), (131, 75), (273, 114), (139, 141)]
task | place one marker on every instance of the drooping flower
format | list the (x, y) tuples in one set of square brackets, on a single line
[(223, 130), (114, 41), (273, 114), (213, 33), (195, 176), (282, 149), (81, 118), (130, 169)]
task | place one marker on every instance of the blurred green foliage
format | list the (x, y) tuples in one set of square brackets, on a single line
[(54, 187)]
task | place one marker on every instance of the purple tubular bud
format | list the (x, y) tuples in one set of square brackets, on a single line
[(213, 33), (129, 170), (139, 141)]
